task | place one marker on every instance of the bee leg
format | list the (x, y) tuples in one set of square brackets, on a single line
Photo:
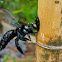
[(18, 46), (25, 39), (22, 37), (29, 36)]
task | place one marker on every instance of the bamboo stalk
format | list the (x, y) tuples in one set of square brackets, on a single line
[(50, 33)]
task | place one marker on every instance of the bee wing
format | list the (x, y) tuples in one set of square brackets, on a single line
[(5, 14)]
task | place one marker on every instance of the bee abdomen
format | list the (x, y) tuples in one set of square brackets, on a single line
[(6, 38)]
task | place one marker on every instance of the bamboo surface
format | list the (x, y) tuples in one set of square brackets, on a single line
[(50, 33)]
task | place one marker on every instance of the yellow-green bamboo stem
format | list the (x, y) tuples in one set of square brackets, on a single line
[(50, 33)]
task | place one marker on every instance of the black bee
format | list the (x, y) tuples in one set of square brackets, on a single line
[(19, 33)]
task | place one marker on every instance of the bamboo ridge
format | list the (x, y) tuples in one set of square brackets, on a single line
[(50, 32)]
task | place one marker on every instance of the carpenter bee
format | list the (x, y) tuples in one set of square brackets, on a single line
[(20, 32)]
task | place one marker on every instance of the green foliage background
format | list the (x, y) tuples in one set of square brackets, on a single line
[(23, 10)]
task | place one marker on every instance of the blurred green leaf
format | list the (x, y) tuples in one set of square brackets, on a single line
[(14, 60), (6, 58)]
